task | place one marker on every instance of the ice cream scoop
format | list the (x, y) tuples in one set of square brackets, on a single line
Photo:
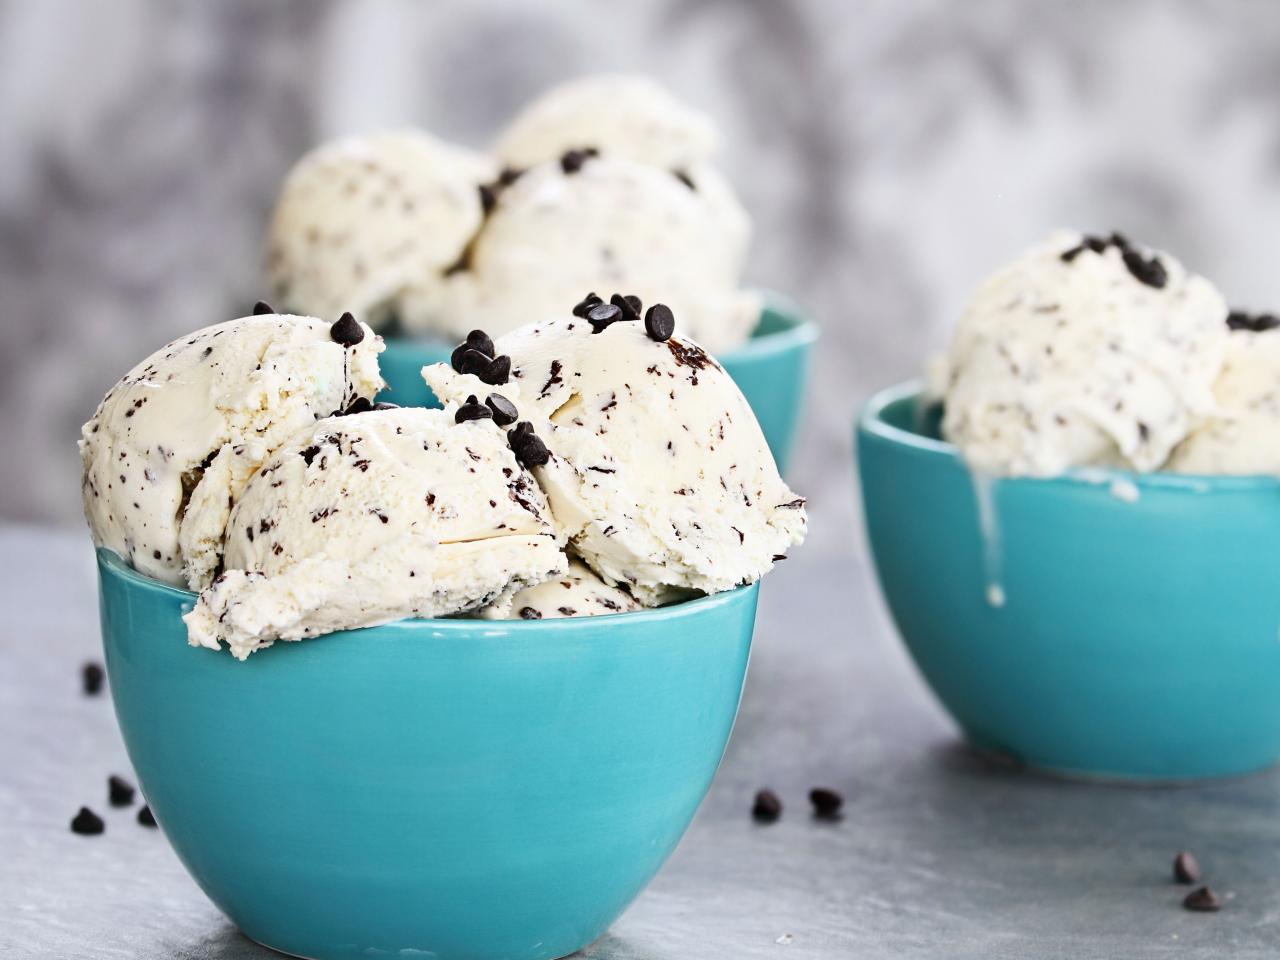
[(178, 437), (628, 116), (1083, 351), (373, 517), (371, 224), (1242, 436), (657, 474), (576, 593), (604, 222)]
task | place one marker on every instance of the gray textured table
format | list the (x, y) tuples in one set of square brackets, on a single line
[(938, 855)]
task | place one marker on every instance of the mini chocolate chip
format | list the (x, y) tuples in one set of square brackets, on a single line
[(347, 331), (358, 405), (529, 613), (589, 301), (659, 322), (528, 446), (1146, 270), (683, 177), (1240, 320), (309, 454), (767, 807), (509, 175), (603, 314), (472, 410), (488, 197), (826, 802), (497, 372), (1144, 432), (87, 823), (630, 305), (119, 791), (571, 161), (1118, 239), (1186, 869), (1202, 900), (504, 411), (146, 817), (479, 340), (471, 361), (91, 677), (262, 307)]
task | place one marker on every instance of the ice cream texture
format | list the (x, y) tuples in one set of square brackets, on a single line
[(364, 519), (658, 475), (609, 223), (1242, 436), (371, 224), (576, 593), (605, 181), (176, 440), (623, 115), (1084, 351)]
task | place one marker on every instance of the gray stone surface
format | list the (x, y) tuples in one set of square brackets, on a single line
[(938, 855)]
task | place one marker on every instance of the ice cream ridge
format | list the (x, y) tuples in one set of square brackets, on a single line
[(605, 182), (592, 464)]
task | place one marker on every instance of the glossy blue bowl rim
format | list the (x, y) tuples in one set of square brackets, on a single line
[(872, 423), (495, 629), (801, 331)]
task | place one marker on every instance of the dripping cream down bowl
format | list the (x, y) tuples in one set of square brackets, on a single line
[(1102, 624), (456, 789)]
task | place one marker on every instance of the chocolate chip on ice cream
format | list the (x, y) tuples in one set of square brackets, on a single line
[(504, 411), (659, 322), (472, 410), (347, 331)]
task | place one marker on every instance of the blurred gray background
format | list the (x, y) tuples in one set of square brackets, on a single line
[(891, 152)]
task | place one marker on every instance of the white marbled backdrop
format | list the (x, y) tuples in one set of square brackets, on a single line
[(892, 152)]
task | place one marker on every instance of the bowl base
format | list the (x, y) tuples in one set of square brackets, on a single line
[(346, 954), (1008, 761)]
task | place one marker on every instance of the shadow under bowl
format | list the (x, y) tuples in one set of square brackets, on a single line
[(443, 788), (1103, 624), (771, 369)]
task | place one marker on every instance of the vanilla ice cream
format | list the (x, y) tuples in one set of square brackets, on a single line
[(576, 593), (658, 474), (1084, 351), (371, 224), (627, 116), (1242, 436), (180, 435), (373, 517), (604, 223)]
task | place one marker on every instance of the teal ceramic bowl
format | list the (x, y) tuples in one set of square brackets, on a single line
[(771, 369), (1139, 634), (429, 788)]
